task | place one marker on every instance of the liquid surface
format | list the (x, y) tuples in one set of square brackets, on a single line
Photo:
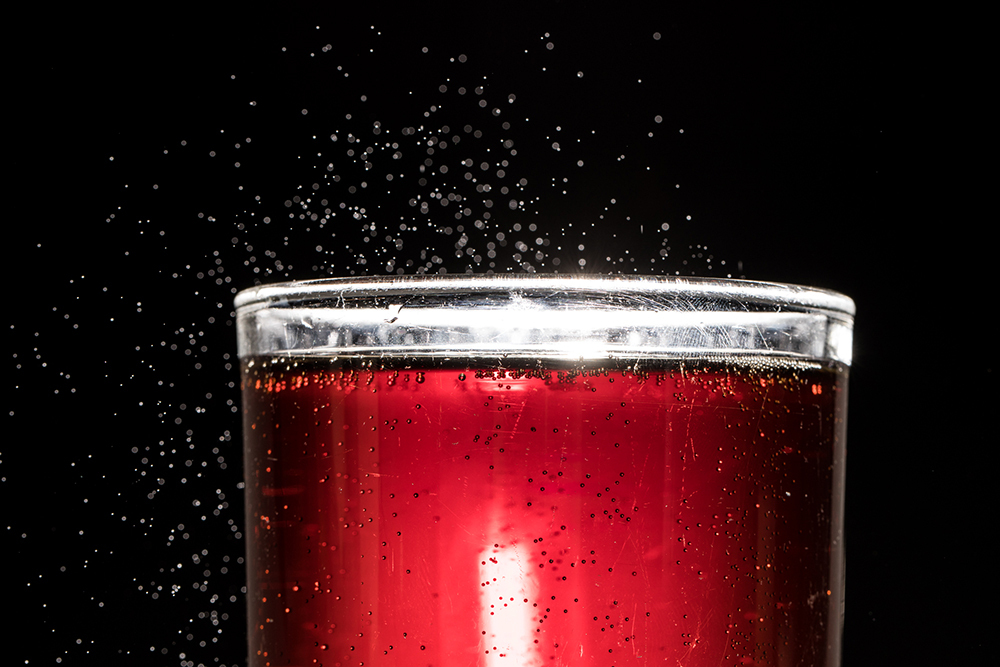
[(688, 514)]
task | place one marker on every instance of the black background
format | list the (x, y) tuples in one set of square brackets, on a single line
[(831, 145)]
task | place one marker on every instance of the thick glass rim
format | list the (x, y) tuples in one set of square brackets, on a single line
[(551, 316), (749, 291)]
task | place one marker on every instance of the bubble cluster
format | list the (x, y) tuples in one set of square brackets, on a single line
[(510, 482)]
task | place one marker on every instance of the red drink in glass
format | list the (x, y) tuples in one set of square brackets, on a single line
[(416, 511)]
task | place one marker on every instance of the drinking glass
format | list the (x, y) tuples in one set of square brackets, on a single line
[(594, 471)]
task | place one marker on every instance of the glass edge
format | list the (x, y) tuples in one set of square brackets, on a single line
[(287, 293)]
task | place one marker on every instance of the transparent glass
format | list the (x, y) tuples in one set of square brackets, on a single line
[(544, 470)]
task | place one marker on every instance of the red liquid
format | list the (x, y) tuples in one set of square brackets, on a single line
[(679, 515)]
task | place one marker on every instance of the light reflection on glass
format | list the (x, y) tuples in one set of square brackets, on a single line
[(506, 593)]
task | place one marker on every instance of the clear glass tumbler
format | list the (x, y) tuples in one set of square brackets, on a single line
[(601, 471)]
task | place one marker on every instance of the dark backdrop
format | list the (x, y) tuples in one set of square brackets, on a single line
[(163, 159)]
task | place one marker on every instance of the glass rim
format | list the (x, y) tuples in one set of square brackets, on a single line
[(777, 294)]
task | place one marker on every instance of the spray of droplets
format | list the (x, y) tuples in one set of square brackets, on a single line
[(484, 161)]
